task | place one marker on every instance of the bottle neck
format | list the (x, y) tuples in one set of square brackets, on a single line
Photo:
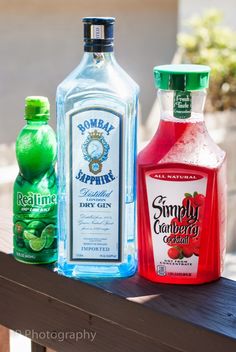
[(182, 106), (98, 34), (100, 47), (98, 58), (34, 123)]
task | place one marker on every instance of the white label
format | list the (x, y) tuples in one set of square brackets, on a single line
[(176, 201), (97, 32), (94, 173)]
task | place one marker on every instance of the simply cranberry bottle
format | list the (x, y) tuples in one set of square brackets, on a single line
[(181, 185)]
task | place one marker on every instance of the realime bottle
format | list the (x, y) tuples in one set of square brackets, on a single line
[(97, 117), (181, 185), (35, 188)]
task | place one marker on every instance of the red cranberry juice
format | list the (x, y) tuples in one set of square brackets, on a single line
[(181, 205)]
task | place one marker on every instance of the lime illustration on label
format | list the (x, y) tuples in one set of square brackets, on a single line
[(35, 188)]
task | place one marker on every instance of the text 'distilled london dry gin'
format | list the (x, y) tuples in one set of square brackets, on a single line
[(182, 185), (97, 117)]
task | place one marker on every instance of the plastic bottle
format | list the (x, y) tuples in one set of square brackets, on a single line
[(181, 185), (35, 189)]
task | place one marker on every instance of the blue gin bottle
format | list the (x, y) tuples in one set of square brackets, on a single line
[(97, 107)]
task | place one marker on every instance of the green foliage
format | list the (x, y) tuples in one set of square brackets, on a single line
[(212, 44)]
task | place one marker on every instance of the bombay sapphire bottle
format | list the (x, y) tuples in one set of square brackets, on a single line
[(97, 119)]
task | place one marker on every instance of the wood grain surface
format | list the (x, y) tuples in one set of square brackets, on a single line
[(130, 315)]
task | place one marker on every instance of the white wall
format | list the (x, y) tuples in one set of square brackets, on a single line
[(188, 8), (41, 42)]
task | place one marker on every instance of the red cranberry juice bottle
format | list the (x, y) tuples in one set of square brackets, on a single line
[(181, 185)]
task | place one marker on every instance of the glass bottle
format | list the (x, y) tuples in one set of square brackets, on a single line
[(96, 122), (181, 185)]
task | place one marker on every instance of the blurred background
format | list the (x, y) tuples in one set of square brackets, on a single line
[(41, 41)]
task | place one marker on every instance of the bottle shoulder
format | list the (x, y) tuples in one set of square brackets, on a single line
[(191, 145), (109, 79), (37, 132)]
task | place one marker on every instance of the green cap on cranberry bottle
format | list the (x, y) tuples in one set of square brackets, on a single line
[(183, 80), (37, 108), (182, 77)]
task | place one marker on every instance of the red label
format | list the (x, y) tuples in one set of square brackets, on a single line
[(176, 202)]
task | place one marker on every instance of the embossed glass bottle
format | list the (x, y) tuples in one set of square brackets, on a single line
[(97, 120)]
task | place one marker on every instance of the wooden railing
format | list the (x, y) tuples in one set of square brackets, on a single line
[(130, 315)]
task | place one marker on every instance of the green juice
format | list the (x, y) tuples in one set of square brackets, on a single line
[(35, 188)]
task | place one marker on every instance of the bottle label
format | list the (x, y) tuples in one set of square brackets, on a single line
[(182, 104), (97, 32), (35, 210), (94, 185), (176, 201)]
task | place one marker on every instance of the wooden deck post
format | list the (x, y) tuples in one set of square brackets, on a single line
[(4, 339)]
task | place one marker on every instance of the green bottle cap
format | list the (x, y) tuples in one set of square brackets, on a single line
[(182, 77), (37, 108)]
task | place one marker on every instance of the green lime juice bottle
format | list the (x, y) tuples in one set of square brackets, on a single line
[(35, 189)]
